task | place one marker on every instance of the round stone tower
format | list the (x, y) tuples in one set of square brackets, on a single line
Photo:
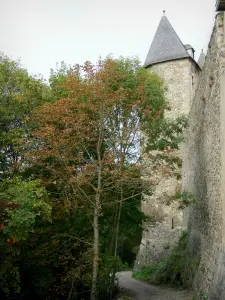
[(174, 62)]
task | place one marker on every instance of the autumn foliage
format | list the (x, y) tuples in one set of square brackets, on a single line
[(80, 171)]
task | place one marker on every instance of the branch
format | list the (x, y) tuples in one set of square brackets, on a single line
[(71, 290), (125, 199)]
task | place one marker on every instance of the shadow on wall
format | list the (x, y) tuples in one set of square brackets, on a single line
[(218, 291)]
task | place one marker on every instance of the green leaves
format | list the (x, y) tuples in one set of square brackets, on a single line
[(165, 133), (19, 95), (26, 201), (185, 199)]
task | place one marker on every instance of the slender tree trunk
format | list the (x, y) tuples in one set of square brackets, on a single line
[(112, 248), (122, 160), (118, 221), (94, 290), (111, 244)]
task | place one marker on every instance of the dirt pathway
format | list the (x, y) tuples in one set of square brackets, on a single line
[(140, 290)]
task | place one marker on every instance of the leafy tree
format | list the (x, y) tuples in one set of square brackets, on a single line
[(23, 203), (82, 171), (19, 95), (87, 142)]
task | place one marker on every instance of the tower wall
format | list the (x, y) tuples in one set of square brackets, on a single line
[(181, 78), (162, 232)]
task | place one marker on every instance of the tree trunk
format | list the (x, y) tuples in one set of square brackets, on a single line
[(112, 248), (118, 221), (94, 289), (94, 292), (113, 230), (117, 226), (122, 159)]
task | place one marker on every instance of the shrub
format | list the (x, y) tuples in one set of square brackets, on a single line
[(171, 270)]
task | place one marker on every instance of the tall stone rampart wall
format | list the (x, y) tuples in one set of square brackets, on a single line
[(204, 171)]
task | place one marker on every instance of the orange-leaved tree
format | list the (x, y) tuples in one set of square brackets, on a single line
[(89, 141)]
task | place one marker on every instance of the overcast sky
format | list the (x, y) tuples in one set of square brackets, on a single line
[(43, 32)]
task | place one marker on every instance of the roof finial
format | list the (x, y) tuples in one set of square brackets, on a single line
[(164, 12)]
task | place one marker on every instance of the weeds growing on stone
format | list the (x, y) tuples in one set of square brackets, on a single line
[(171, 270), (201, 296)]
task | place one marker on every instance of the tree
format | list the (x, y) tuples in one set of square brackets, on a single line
[(89, 141), (19, 95)]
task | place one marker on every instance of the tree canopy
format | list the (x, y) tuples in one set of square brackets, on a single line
[(71, 183)]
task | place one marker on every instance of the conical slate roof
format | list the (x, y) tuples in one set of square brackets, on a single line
[(166, 45)]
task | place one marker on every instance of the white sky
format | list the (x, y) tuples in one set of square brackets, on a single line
[(43, 32)]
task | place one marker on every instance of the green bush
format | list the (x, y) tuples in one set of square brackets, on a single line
[(171, 270), (147, 272), (200, 296)]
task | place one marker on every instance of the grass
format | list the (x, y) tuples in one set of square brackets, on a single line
[(147, 273)]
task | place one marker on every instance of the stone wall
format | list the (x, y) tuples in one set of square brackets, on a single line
[(164, 223), (181, 78), (161, 233), (204, 171)]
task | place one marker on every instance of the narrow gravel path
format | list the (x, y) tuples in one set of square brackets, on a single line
[(140, 290)]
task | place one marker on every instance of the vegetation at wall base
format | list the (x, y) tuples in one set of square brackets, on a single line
[(172, 270), (200, 296)]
